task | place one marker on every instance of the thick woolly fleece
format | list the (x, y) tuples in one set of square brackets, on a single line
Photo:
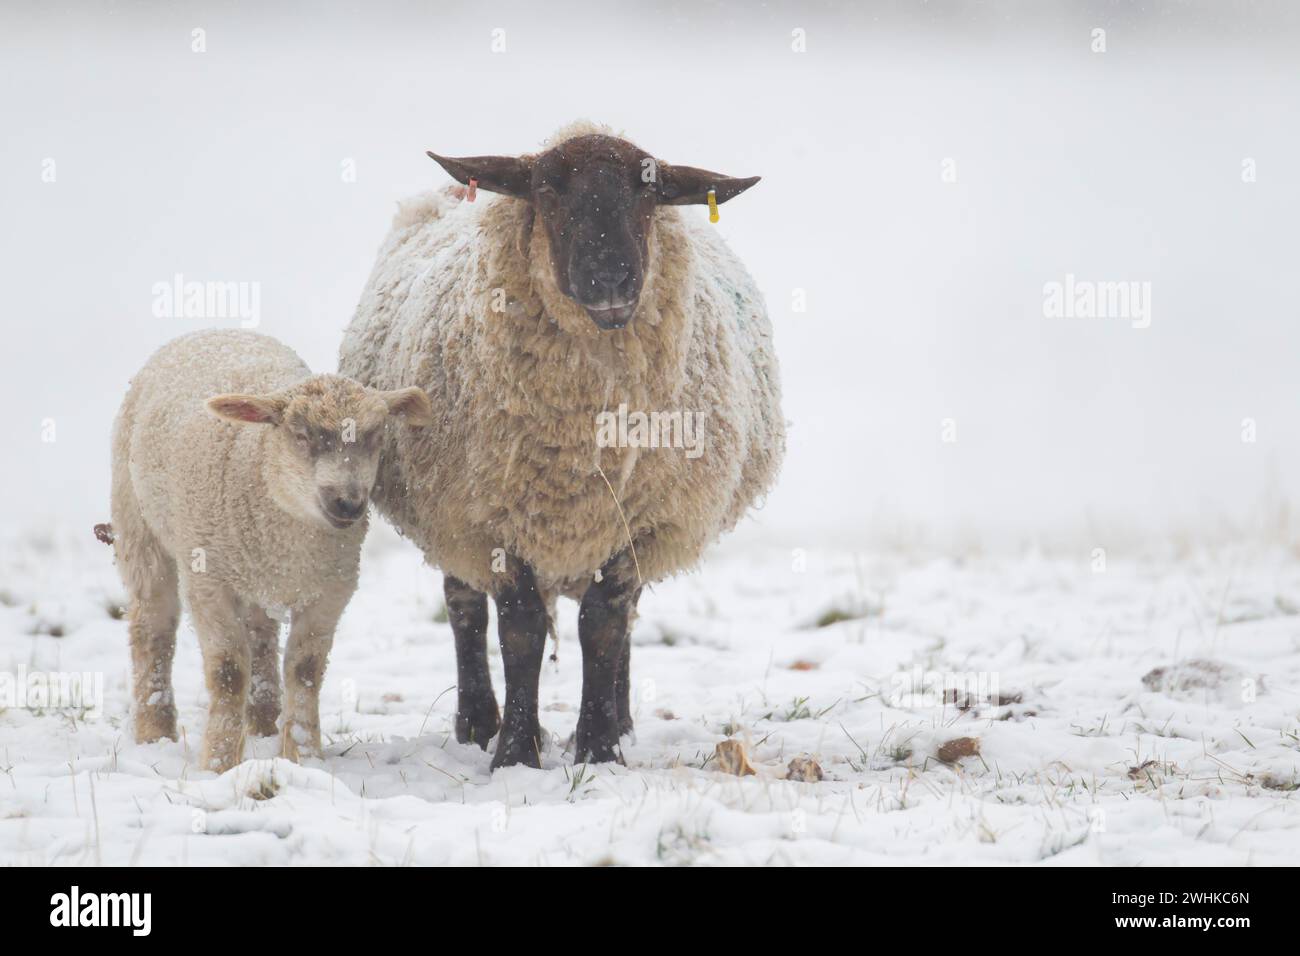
[(462, 301), (184, 479)]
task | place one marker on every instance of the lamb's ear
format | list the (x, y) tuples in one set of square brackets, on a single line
[(509, 175), (686, 185), (258, 409), (411, 403)]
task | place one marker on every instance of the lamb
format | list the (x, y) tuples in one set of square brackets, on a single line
[(534, 321), (241, 481)]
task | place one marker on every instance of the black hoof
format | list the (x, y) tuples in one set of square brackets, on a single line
[(477, 728), (519, 747), (477, 725), (597, 746)]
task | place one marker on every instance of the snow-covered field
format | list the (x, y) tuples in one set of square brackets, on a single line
[(1145, 712), (1149, 714)]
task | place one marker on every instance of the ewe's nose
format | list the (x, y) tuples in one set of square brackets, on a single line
[(610, 279)]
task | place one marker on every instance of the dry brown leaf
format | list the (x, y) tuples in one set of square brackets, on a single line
[(732, 759), (804, 769), (959, 747)]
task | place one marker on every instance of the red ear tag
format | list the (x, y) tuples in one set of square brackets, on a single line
[(473, 190)]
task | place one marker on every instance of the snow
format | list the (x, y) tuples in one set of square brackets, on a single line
[(1159, 699), (1150, 715)]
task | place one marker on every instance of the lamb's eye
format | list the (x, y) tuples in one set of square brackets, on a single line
[(302, 438)]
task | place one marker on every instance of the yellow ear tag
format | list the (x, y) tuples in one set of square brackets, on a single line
[(713, 205)]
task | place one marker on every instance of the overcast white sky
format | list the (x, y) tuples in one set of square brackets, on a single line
[(924, 297)]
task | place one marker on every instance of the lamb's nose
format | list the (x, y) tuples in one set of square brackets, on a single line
[(345, 505), (348, 506), (611, 279)]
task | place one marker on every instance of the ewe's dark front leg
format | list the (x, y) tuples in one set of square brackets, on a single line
[(606, 657), (522, 623), (623, 688), (477, 717)]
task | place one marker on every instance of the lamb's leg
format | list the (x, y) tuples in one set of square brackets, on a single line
[(603, 634), (311, 635), (152, 585), (154, 616), (522, 624), (477, 717), (223, 637), (264, 693)]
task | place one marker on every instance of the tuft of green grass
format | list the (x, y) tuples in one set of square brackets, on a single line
[(669, 637), (850, 608), (798, 710), (47, 628), (580, 782), (835, 616), (264, 789), (677, 846)]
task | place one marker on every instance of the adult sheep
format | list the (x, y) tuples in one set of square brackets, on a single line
[(537, 323)]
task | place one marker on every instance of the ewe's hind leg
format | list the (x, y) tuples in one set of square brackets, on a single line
[(264, 693), (477, 717), (151, 582), (311, 635), (602, 632), (222, 627), (522, 623)]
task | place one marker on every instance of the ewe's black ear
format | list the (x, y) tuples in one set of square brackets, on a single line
[(686, 185), (509, 175)]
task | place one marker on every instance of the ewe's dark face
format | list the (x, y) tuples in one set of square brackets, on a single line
[(595, 196), (596, 211)]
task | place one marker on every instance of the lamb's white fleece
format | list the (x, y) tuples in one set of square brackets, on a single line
[(183, 480), (216, 511), (462, 301)]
